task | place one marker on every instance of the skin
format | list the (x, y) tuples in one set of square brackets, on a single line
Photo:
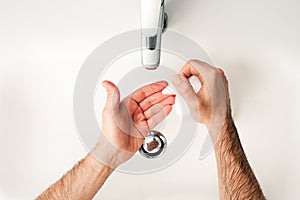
[(235, 176), (126, 123)]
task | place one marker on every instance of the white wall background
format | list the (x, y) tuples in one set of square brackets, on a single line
[(44, 43)]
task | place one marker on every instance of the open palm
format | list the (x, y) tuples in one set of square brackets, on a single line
[(125, 124)]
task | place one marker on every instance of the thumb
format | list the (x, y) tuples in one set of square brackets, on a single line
[(113, 95), (185, 89)]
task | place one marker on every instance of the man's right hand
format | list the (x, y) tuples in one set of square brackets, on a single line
[(210, 104)]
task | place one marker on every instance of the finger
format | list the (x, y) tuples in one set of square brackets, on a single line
[(138, 116), (158, 117), (195, 68), (157, 107), (113, 95), (185, 89), (143, 92), (154, 99)]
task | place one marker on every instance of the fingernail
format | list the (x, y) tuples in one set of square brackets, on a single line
[(177, 79)]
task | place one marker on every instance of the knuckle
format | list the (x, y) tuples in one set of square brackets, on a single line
[(193, 61), (221, 71)]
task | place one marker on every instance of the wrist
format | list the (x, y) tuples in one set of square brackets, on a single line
[(219, 124), (108, 154), (105, 154), (228, 132), (96, 165)]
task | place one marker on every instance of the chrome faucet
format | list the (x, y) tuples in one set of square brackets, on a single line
[(154, 22)]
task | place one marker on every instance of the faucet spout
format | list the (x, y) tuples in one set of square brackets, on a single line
[(153, 22)]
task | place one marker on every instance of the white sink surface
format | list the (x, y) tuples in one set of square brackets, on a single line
[(43, 45)]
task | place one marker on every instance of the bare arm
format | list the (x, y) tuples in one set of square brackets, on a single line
[(211, 106), (82, 182), (236, 178)]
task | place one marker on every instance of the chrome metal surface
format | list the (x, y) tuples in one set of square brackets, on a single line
[(154, 145), (151, 35)]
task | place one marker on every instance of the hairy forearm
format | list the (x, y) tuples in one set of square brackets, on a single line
[(236, 178), (82, 182)]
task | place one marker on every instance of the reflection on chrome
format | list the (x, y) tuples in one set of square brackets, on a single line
[(154, 145), (154, 22)]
